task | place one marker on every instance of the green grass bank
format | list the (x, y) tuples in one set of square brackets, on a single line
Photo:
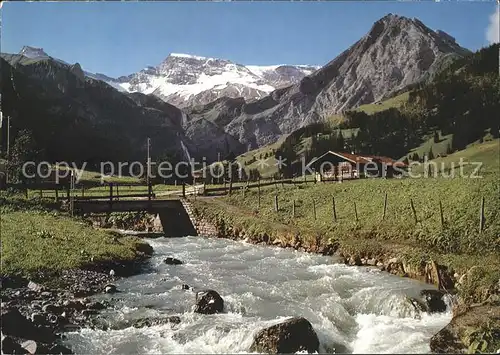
[(361, 228), (37, 238)]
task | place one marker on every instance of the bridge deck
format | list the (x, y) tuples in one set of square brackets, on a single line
[(95, 206)]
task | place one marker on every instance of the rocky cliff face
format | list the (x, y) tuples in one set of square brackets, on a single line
[(397, 52)]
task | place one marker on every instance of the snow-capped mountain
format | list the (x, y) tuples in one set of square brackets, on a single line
[(186, 80)]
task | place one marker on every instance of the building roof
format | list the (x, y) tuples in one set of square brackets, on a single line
[(387, 160), (346, 156), (362, 159)]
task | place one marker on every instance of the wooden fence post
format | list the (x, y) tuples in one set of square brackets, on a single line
[(356, 212), (276, 208), (67, 190), (57, 194), (230, 186), (83, 190), (183, 189), (72, 196), (413, 209), (441, 214), (481, 216), (385, 206), (314, 209), (110, 192), (258, 193), (293, 209), (334, 210)]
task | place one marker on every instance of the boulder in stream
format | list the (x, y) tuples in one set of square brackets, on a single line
[(434, 300), (110, 288), (290, 336), (148, 322), (172, 261), (430, 301), (208, 302)]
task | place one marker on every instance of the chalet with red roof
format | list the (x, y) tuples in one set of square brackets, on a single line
[(341, 165)]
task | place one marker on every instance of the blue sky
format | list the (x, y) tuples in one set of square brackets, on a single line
[(119, 38)]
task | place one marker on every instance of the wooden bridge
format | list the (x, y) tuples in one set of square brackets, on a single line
[(100, 206)]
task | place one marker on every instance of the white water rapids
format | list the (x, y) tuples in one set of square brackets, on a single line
[(352, 309)]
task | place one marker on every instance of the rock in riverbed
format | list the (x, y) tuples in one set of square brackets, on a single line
[(430, 301), (208, 302), (290, 336), (148, 322), (110, 288), (434, 300), (172, 261)]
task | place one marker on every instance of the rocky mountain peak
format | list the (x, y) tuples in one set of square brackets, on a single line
[(33, 52), (77, 70), (396, 52), (445, 36)]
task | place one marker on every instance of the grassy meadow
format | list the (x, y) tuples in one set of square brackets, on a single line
[(37, 238), (361, 226)]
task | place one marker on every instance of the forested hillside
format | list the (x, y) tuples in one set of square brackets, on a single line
[(57, 114), (462, 103)]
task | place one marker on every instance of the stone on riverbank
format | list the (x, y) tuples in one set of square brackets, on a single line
[(208, 302), (290, 336), (15, 324), (10, 346), (479, 323)]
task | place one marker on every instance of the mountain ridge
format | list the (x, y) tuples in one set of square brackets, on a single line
[(185, 79), (395, 53)]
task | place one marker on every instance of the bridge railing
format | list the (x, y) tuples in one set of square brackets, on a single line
[(116, 191), (109, 191)]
